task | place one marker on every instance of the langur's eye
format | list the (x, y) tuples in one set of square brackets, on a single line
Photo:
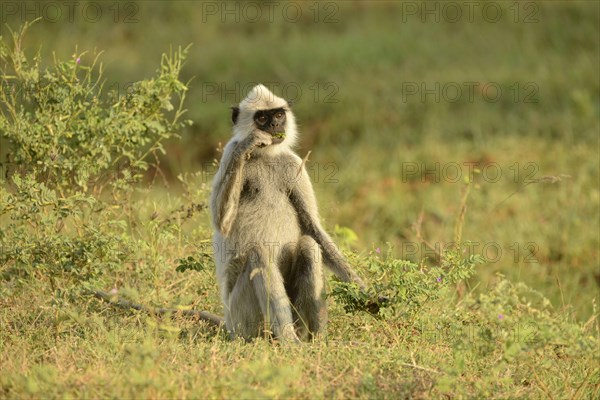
[(261, 119), (279, 115)]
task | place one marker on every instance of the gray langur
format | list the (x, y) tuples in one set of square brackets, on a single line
[(269, 244)]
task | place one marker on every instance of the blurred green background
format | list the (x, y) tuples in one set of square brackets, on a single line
[(397, 101)]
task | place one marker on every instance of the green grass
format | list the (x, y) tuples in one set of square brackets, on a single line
[(524, 326)]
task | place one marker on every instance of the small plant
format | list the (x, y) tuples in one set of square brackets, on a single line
[(192, 264), (68, 140), (403, 287), (63, 127)]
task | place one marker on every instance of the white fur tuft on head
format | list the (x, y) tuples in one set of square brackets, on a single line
[(261, 98)]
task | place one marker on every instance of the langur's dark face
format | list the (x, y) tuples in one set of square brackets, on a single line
[(273, 122)]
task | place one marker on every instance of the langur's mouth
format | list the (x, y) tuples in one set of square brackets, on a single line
[(278, 137)]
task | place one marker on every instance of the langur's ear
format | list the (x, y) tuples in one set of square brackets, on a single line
[(235, 112)]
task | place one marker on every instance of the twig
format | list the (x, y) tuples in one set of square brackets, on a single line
[(158, 171), (543, 179), (418, 234), (542, 385), (304, 160), (415, 366), (212, 319), (583, 382), (460, 219)]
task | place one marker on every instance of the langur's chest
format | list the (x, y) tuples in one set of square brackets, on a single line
[(264, 181)]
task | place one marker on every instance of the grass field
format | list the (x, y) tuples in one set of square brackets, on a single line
[(405, 106)]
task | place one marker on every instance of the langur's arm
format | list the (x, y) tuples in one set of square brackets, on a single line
[(229, 179), (228, 187), (303, 200)]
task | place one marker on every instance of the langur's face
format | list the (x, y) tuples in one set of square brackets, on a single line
[(262, 110), (272, 122)]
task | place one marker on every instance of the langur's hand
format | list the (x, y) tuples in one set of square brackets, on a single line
[(255, 139), (259, 138)]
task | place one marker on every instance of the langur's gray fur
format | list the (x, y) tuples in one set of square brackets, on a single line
[(269, 243)]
